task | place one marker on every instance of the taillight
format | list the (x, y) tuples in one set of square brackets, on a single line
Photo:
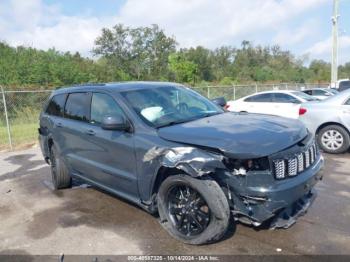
[(227, 106), (302, 111)]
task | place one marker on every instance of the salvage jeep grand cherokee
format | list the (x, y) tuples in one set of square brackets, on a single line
[(168, 149)]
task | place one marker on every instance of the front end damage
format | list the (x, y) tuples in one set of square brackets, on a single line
[(257, 197), (254, 191), (279, 194)]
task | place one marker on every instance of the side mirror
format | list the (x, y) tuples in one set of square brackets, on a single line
[(115, 123), (219, 101)]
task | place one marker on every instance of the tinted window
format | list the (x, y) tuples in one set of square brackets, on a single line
[(309, 92), (284, 98), (304, 96), (103, 105), (344, 85), (347, 102), (333, 91), (56, 105), (78, 106), (260, 98), (318, 92)]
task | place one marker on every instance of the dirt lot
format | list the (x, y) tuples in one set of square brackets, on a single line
[(36, 220)]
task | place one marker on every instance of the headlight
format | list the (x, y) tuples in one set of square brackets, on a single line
[(242, 166)]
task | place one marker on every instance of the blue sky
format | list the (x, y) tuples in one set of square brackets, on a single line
[(302, 26)]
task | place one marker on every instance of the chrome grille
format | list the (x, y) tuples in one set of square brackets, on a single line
[(312, 154), (300, 163), (293, 167), (296, 164), (307, 159), (280, 169)]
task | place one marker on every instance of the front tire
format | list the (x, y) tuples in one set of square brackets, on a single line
[(59, 171), (192, 210), (333, 139)]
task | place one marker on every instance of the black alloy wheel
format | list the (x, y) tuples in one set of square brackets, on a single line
[(187, 209)]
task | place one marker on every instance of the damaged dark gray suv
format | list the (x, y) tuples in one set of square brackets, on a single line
[(172, 151)]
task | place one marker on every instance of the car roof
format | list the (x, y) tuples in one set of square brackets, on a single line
[(275, 91), (115, 86), (339, 98), (316, 88)]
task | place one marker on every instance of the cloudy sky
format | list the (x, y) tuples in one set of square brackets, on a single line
[(302, 26)]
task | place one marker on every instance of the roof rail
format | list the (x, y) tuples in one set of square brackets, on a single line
[(89, 84)]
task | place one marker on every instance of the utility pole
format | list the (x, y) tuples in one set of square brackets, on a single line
[(335, 43)]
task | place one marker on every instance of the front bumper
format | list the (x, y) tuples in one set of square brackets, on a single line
[(288, 216), (259, 197)]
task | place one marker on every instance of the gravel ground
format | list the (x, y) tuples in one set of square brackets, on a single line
[(36, 220)]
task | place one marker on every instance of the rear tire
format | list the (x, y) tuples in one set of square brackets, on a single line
[(59, 171), (203, 213), (333, 139)]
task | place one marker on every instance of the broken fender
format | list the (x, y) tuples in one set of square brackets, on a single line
[(193, 161)]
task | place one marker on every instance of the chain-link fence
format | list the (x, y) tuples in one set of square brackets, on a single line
[(238, 91), (19, 110)]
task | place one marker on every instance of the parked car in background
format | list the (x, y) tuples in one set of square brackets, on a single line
[(286, 103), (220, 101), (329, 120), (170, 150), (321, 93), (341, 85)]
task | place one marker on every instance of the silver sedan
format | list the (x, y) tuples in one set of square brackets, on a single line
[(329, 120)]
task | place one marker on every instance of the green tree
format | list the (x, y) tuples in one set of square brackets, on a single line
[(320, 70), (141, 52), (184, 70)]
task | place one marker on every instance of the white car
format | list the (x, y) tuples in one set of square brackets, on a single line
[(321, 93), (286, 103), (341, 85)]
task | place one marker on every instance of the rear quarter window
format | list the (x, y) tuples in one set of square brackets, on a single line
[(78, 107), (56, 105)]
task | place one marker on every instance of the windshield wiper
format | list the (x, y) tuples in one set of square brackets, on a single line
[(175, 122)]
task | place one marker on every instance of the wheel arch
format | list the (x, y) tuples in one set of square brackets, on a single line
[(330, 124), (162, 173)]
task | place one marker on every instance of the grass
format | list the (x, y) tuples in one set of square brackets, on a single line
[(20, 133)]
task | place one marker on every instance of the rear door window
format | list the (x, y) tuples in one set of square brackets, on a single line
[(284, 98), (78, 106), (56, 105), (103, 105), (261, 98), (347, 102)]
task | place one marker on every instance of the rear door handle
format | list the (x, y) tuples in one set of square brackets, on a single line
[(90, 132)]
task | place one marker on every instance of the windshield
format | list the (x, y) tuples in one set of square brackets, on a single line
[(164, 106), (333, 91), (304, 96)]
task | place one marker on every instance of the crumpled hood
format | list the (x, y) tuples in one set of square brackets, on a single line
[(238, 135)]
